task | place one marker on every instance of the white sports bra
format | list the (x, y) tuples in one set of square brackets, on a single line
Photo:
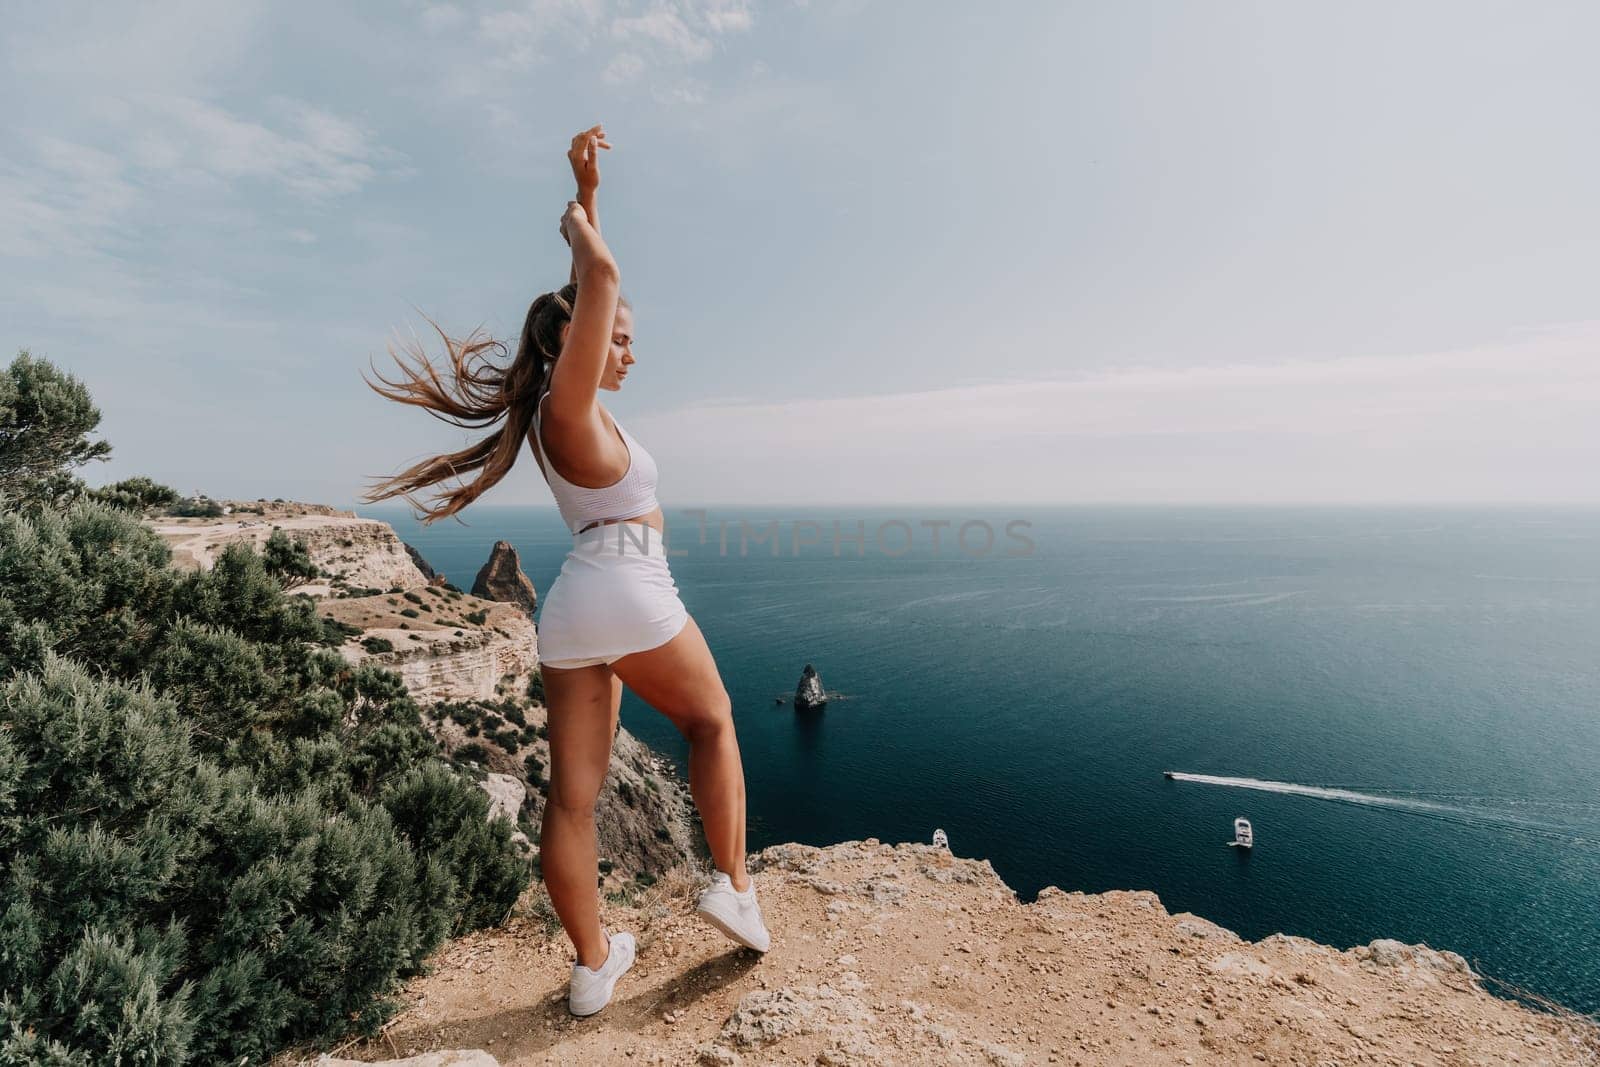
[(631, 495)]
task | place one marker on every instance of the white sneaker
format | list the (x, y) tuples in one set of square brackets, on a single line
[(735, 914), (589, 990)]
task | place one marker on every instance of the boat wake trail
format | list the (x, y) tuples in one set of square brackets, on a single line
[(1476, 816)]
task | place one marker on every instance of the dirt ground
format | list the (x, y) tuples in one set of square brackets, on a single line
[(906, 954)]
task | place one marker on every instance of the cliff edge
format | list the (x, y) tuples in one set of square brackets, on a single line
[(906, 954)]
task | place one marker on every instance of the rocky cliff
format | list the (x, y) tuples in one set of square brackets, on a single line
[(471, 661), (359, 554), (907, 954)]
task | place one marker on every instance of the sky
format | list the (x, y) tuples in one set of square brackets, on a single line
[(878, 252)]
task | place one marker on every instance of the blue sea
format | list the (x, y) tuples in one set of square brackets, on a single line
[(1405, 702)]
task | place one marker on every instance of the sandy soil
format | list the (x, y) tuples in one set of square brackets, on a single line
[(908, 955)]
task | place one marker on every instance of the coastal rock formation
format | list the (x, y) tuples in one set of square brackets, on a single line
[(422, 565), (450, 646), (507, 795), (809, 694), (358, 554), (501, 579), (905, 954)]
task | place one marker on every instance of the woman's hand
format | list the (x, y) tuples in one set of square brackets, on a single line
[(573, 214), (584, 155)]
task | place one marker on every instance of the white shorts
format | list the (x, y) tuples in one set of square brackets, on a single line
[(614, 596)]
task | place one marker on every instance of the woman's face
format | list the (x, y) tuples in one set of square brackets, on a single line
[(619, 356)]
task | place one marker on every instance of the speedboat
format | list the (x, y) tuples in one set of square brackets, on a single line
[(1243, 835)]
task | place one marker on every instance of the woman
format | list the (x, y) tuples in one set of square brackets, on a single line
[(613, 616)]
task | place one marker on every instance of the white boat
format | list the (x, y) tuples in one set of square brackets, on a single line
[(1243, 835)]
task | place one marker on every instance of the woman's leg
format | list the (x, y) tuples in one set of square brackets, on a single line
[(583, 705), (680, 680)]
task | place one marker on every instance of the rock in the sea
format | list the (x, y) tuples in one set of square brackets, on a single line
[(501, 579), (809, 694)]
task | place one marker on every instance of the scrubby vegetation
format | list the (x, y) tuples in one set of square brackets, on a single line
[(216, 836), (288, 560), (136, 494)]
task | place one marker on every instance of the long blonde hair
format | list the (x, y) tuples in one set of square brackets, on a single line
[(477, 393)]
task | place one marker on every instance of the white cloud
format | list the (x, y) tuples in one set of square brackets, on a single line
[(666, 28), (685, 91), (728, 16), (315, 155), (1513, 421), (69, 198), (623, 68), (663, 34), (520, 32), (436, 18)]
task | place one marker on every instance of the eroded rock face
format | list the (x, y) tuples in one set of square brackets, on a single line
[(451, 648), (501, 579), (360, 553), (422, 565), (507, 794)]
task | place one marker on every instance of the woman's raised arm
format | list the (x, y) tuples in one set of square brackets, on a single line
[(584, 155), (575, 381)]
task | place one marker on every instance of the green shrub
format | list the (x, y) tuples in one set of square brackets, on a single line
[(336, 632), (217, 836), (288, 560), (135, 494), (376, 645), (198, 507), (467, 714)]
